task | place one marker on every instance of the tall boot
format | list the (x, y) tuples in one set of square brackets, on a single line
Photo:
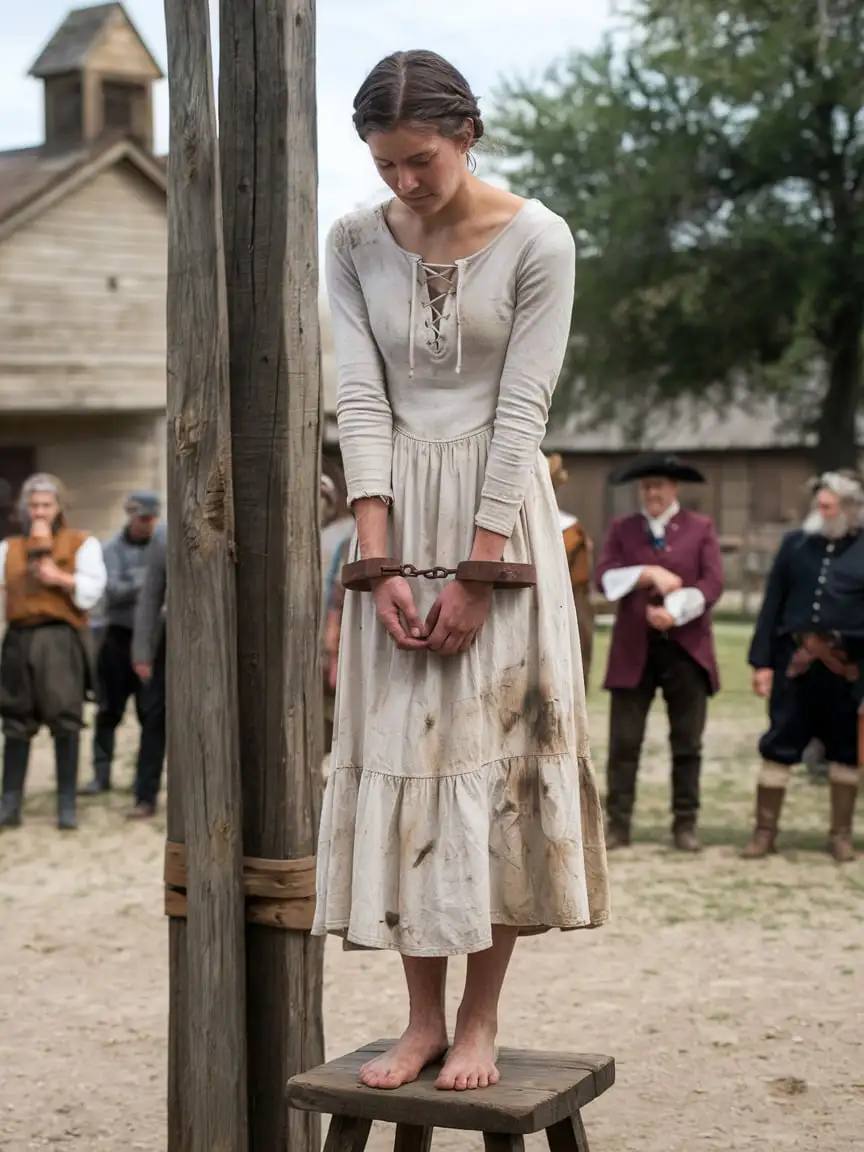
[(843, 793), (66, 755), (103, 755), (769, 803), (16, 754)]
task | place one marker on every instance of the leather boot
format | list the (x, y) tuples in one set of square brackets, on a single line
[(16, 753), (95, 787), (66, 754), (843, 797), (617, 836), (103, 754), (684, 834), (769, 803)]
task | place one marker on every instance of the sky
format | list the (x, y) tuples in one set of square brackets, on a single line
[(485, 39)]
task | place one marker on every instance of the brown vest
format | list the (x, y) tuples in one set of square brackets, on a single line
[(28, 601), (579, 550)]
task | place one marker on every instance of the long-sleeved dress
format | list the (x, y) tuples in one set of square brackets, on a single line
[(461, 792)]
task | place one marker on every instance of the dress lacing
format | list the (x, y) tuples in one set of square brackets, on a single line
[(449, 273)]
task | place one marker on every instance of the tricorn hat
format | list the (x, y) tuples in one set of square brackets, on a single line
[(659, 465)]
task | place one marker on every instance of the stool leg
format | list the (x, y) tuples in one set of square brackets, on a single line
[(497, 1142), (568, 1135), (410, 1138), (347, 1134)]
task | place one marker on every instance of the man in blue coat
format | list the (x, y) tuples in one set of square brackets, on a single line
[(807, 657), (125, 557)]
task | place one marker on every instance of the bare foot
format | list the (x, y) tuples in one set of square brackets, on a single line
[(407, 1058), (471, 1061)]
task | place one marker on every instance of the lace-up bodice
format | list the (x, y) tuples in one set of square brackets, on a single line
[(438, 282)]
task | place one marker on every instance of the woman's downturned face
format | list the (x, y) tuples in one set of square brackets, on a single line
[(420, 166)]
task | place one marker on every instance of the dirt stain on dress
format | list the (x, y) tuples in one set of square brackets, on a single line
[(425, 851)]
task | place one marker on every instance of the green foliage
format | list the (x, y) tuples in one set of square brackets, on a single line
[(710, 161)]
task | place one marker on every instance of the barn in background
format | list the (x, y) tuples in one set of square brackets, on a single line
[(755, 467)]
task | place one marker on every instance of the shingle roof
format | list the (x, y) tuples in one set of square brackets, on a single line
[(69, 47), (28, 173), (757, 425), (748, 425)]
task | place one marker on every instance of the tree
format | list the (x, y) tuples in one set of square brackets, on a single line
[(710, 162)]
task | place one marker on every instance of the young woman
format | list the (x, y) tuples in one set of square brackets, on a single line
[(461, 809)]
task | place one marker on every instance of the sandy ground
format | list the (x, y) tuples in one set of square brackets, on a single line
[(731, 995)]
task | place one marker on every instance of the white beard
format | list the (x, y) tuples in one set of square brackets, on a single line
[(834, 529)]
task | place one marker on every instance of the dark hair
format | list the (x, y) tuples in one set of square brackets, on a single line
[(416, 88)]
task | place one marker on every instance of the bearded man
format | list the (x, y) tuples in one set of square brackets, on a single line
[(52, 576), (806, 657)]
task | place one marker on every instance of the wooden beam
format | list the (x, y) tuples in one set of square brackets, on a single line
[(208, 1078), (269, 172)]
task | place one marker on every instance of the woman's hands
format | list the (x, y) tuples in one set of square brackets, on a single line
[(460, 609), (457, 616), (394, 603), (453, 622)]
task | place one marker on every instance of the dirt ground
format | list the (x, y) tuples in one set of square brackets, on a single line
[(730, 994)]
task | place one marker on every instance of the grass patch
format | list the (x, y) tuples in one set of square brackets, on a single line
[(654, 885)]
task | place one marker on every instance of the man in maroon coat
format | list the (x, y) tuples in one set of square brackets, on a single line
[(663, 568)]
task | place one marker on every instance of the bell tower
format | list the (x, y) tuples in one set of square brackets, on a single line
[(98, 77)]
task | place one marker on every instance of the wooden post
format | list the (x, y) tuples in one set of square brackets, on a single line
[(269, 172), (208, 1076)]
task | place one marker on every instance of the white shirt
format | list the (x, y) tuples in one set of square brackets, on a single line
[(684, 605), (90, 574)]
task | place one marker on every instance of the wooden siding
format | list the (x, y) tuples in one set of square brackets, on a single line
[(742, 489), (119, 51), (82, 302), (99, 458)]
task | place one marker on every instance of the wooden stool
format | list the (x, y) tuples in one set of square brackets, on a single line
[(537, 1090)]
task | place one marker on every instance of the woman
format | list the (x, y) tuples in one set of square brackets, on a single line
[(461, 808)]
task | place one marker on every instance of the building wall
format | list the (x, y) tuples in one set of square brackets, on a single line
[(99, 458), (742, 489), (82, 301)]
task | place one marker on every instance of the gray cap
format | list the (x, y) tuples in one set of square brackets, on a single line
[(143, 504)]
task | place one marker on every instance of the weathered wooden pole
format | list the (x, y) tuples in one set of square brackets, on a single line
[(207, 1082), (269, 174)]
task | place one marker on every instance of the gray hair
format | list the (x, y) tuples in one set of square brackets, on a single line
[(44, 482), (846, 486)]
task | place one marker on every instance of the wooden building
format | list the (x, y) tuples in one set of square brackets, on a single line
[(83, 241), (755, 465)]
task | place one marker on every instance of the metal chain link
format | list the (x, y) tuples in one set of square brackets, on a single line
[(409, 571)]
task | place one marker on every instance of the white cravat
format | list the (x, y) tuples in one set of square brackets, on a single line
[(684, 605), (659, 524)]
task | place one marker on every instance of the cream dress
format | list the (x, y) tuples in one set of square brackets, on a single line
[(461, 793)]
